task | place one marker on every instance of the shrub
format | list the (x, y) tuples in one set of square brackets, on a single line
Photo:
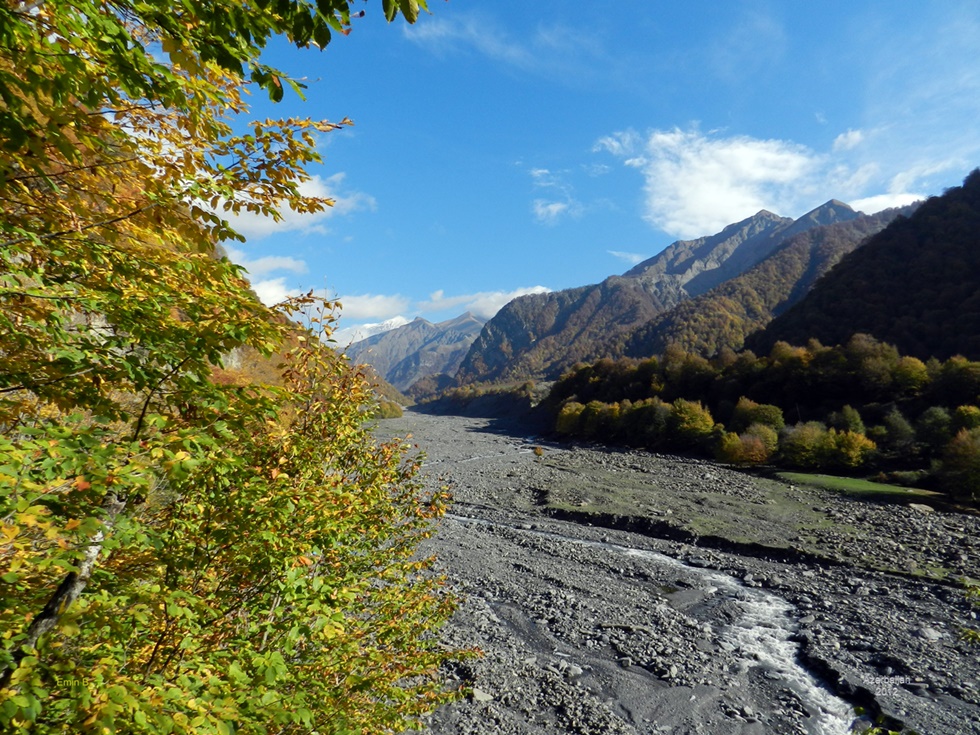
[(934, 427), (765, 434), (846, 449), (965, 417), (388, 409), (899, 432), (801, 445), (729, 448), (644, 423), (745, 449), (847, 419), (910, 375), (748, 412), (567, 422), (690, 423)]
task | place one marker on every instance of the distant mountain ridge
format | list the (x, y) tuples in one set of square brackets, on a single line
[(418, 348), (364, 331), (541, 335)]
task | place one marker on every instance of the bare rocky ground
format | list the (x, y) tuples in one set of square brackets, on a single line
[(729, 604)]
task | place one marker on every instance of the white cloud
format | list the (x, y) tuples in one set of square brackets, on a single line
[(483, 304), (557, 52), (697, 184), (597, 169), (549, 212), (909, 177), (631, 258), (372, 306), (267, 264), (269, 290), (848, 141), (622, 144), (255, 227), (273, 290), (442, 36), (871, 205), (561, 201)]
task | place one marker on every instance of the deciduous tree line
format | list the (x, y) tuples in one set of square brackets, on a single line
[(855, 407)]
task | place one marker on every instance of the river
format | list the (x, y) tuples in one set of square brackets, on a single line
[(593, 630)]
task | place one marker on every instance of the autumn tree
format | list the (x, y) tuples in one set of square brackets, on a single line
[(755, 446), (847, 419), (748, 412), (183, 554), (690, 423), (801, 445), (567, 421), (960, 468)]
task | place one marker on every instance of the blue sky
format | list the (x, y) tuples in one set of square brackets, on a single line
[(506, 146)]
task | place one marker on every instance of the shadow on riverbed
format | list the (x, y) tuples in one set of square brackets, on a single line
[(505, 415)]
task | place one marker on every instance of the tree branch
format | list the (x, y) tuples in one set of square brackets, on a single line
[(105, 223), (68, 591)]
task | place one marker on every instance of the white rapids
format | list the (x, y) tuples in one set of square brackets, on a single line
[(762, 634)]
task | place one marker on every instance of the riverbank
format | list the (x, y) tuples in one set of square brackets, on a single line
[(585, 631)]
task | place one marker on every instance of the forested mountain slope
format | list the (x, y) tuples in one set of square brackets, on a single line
[(916, 285)]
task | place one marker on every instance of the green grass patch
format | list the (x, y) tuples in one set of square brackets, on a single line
[(856, 486)]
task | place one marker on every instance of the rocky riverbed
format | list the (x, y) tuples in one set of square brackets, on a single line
[(627, 592)]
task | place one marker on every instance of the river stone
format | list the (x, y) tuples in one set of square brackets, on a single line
[(481, 696)]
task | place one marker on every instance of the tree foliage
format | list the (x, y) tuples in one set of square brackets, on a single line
[(961, 465), (747, 412), (184, 550), (828, 393)]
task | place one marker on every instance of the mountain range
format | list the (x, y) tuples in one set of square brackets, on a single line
[(729, 312), (416, 349), (908, 276), (542, 335)]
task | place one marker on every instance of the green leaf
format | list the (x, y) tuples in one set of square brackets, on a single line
[(321, 34), (410, 9), (390, 9)]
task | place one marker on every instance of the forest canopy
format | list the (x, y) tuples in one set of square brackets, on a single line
[(861, 407)]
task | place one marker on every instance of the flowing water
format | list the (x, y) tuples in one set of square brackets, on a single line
[(762, 634)]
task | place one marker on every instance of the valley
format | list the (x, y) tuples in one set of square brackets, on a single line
[(618, 591)]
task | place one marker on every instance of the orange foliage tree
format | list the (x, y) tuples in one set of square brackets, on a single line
[(179, 553)]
